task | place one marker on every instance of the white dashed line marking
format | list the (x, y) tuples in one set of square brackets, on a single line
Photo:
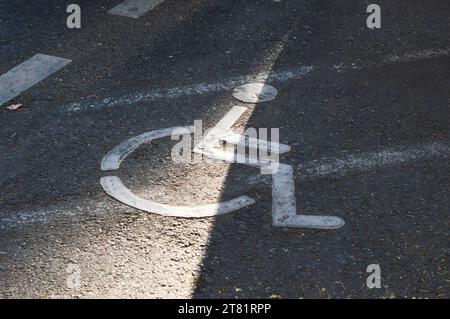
[(27, 74), (134, 8)]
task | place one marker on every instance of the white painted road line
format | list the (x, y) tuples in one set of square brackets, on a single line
[(27, 74), (359, 163), (417, 55), (63, 211), (189, 90), (263, 77), (134, 8)]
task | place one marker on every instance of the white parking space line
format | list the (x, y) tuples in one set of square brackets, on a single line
[(134, 8), (27, 74), (359, 163), (417, 55), (189, 90), (263, 77), (61, 212)]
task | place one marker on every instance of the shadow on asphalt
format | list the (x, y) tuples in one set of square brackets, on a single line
[(325, 114)]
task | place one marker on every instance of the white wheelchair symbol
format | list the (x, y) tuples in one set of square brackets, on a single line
[(284, 212)]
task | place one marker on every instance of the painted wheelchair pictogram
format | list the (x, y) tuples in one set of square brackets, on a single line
[(284, 212)]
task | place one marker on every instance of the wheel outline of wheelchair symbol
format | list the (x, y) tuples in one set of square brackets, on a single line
[(284, 213)]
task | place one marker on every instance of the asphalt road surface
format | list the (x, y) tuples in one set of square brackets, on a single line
[(366, 113)]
